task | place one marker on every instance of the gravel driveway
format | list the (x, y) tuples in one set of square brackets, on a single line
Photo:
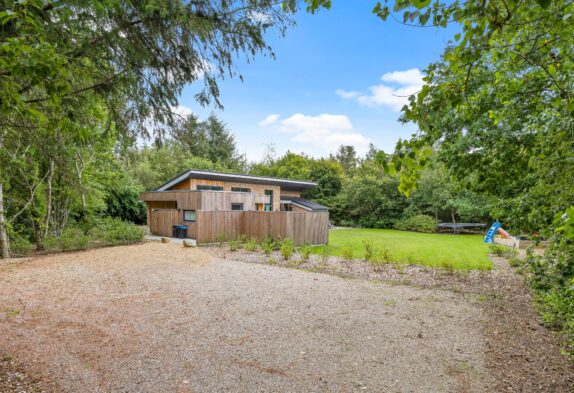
[(162, 318)]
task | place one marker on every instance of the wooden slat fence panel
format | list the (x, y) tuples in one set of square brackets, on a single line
[(162, 220), (302, 227)]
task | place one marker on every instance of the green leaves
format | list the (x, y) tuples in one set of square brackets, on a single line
[(421, 3), (544, 3)]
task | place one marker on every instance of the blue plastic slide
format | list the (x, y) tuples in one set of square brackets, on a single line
[(491, 232)]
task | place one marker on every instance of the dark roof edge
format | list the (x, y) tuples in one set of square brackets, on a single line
[(190, 172)]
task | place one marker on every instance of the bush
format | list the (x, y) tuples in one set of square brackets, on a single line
[(305, 252), (503, 251), (116, 232), (369, 250), (20, 246), (552, 280), (515, 262), (268, 245), (418, 223), (220, 238), (73, 239), (251, 245), (287, 247), (384, 255), (497, 249), (51, 243), (347, 252), (233, 245), (556, 308)]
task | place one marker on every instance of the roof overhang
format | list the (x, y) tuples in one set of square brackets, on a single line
[(285, 184), (304, 204)]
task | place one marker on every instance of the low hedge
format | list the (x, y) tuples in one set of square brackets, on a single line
[(417, 223)]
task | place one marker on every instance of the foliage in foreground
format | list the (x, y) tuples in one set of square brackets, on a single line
[(99, 233), (552, 279)]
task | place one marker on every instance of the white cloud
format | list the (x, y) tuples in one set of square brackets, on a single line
[(259, 17), (324, 131), (271, 119), (393, 94), (347, 94), (410, 77), (181, 110)]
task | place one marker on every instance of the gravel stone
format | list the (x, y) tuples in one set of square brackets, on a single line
[(163, 318)]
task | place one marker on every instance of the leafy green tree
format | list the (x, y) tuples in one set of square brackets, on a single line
[(151, 167), (347, 156), (210, 139), (289, 166), (62, 59), (370, 199)]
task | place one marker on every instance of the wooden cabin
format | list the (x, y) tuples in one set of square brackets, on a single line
[(216, 205)]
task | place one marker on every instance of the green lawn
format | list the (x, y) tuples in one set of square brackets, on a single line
[(462, 252)]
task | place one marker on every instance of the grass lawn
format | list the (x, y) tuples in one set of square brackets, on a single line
[(461, 252)]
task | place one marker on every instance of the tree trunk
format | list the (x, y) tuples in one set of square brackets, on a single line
[(49, 199), (4, 246), (452, 215)]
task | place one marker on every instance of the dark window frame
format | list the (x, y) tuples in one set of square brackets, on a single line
[(194, 215), (237, 204), (240, 189), (205, 187), (269, 206)]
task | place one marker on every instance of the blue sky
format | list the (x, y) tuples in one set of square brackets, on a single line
[(335, 80)]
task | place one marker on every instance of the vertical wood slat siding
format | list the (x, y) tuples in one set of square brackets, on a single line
[(162, 220), (301, 227)]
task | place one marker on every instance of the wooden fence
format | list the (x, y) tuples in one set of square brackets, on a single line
[(161, 222), (302, 227)]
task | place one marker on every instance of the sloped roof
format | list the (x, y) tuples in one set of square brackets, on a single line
[(305, 204), (286, 184)]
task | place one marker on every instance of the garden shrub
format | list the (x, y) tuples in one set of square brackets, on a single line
[(268, 245), (305, 252), (287, 247), (233, 245), (497, 249), (418, 223), (369, 250), (20, 246), (220, 238), (347, 252), (73, 239), (503, 251), (116, 232), (552, 280), (51, 243), (251, 245), (383, 255)]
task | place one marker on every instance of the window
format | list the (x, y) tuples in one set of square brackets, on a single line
[(237, 206), (189, 215), (239, 189), (269, 206), (204, 187)]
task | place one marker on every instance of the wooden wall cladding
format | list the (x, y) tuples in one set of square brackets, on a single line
[(301, 227)]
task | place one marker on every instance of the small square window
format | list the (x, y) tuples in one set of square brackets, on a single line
[(189, 215), (237, 206)]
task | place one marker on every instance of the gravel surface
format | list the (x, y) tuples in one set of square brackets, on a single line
[(521, 355), (163, 318)]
